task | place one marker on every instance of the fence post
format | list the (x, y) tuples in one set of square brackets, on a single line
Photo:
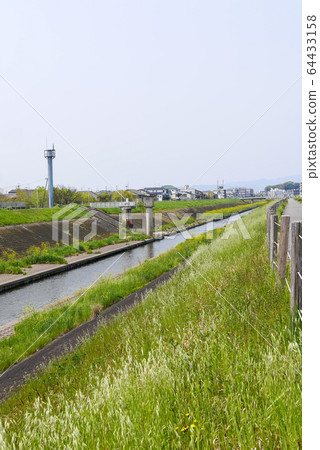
[(296, 268), (270, 232), (283, 247), (268, 227), (273, 239)]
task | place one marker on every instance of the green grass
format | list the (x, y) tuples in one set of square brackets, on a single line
[(183, 357), (228, 211), (207, 216), (105, 293), (281, 208), (170, 205), (179, 204), (181, 223), (23, 216), (9, 263)]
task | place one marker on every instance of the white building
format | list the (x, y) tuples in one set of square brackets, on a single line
[(235, 192), (277, 193)]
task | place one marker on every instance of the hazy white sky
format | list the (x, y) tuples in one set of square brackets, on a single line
[(149, 92)]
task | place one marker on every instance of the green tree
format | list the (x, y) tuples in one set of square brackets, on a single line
[(63, 195), (86, 198), (209, 194), (38, 196), (121, 196), (104, 197), (3, 198), (286, 186), (23, 196)]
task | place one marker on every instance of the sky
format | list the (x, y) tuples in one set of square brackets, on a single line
[(148, 92)]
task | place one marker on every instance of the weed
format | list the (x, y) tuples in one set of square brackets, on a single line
[(183, 369)]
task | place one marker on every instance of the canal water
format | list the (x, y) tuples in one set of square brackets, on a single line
[(48, 290)]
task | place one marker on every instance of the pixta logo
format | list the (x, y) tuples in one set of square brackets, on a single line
[(67, 222), (240, 229)]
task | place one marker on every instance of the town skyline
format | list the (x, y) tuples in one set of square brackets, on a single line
[(127, 101)]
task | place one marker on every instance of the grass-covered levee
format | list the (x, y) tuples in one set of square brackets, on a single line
[(208, 360)]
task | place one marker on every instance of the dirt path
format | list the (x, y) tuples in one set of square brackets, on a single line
[(16, 375)]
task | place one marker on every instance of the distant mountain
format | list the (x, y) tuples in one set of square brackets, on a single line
[(257, 185)]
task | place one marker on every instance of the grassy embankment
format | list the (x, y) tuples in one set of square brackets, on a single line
[(104, 294), (179, 204), (10, 263), (220, 213), (208, 360), (227, 212), (171, 205), (24, 216)]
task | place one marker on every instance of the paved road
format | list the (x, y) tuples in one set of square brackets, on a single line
[(294, 210)]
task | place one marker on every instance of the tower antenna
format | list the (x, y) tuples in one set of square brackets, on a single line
[(50, 155)]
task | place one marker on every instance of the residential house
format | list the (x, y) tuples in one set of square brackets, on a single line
[(159, 192)]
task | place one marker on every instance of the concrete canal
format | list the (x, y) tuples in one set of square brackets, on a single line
[(48, 290)]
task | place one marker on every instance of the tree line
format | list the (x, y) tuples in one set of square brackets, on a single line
[(62, 195)]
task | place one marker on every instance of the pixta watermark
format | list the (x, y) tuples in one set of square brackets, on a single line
[(75, 223), (67, 223), (171, 225)]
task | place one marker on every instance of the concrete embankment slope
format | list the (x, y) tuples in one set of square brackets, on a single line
[(20, 238), (40, 271)]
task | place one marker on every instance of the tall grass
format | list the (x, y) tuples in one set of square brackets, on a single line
[(104, 293), (184, 369), (281, 208)]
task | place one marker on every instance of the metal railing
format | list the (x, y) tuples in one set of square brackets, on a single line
[(13, 205)]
